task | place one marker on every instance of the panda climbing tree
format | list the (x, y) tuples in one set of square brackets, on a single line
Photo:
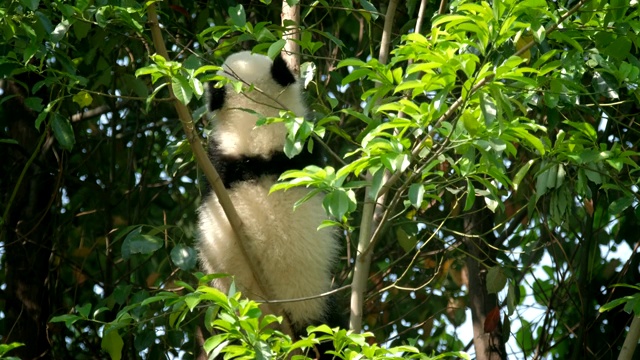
[(291, 257)]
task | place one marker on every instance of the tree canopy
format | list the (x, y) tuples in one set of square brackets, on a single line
[(481, 166)]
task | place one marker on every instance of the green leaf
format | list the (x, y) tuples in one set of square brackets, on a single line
[(496, 280), (488, 107), (552, 97), (276, 48), (524, 336), (34, 103), (617, 302), (151, 69), (84, 310), (517, 179), (144, 339), (471, 196), (100, 17), (619, 48), (138, 243), (416, 195), (197, 86), (337, 203), (31, 4), (45, 22), (511, 299), (81, 29), (112, 343), (238, 16), (619, 205), (63, 131), (68, 319), (181, 89), (184, 257), (594, 176), (562, 37), (491, 203), (585, 128), (406, 241), (60, 31), (5, 348), (83, 99), (370, 8), (351, 62), (606, 85), (470, 122), (215, 344), (531, 139), (134, 85)]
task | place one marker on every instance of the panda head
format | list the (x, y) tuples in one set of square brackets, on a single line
[(268, 87)]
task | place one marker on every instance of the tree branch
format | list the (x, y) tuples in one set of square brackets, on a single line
[(369, 222), (631, 340), (291, 48)]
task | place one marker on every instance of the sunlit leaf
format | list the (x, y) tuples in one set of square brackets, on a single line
[(112, 343), (83, 99)]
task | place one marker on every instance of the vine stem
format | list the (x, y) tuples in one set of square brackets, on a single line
[(212, 175)]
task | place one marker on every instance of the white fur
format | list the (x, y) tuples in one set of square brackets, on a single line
[(234, 126), (295, 258)]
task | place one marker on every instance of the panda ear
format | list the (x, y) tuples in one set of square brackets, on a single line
[(215, 96), (281, 73)]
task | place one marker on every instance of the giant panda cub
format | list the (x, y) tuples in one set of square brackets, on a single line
[(295, 258)]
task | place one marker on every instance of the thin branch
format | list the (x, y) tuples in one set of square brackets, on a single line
[(421, 10), (100, 110)]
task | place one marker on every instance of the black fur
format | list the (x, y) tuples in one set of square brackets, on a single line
[(246, 168), (215, 96), (281, 73)]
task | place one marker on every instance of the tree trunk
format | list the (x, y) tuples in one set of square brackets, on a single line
[(26, 235), (488, 345)]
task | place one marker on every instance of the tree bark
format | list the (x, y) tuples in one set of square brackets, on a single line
[(26, 234), (480, 256)]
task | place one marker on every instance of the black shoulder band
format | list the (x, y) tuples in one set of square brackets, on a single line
[(233, 169)]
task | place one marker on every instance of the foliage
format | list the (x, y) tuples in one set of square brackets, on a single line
[(5, 348), (500, 136), (242, 331), (632, 302)]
